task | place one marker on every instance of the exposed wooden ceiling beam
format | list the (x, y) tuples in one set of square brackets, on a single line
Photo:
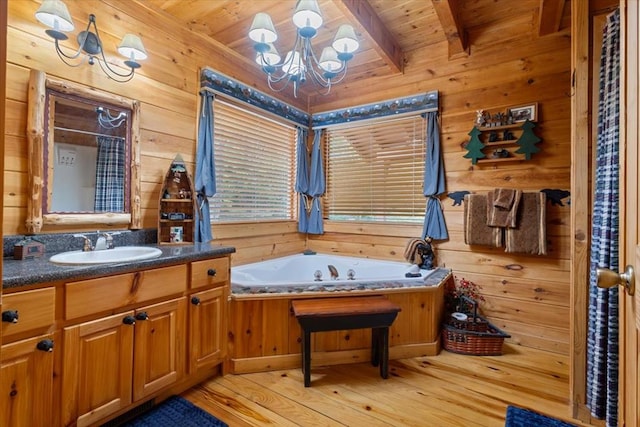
[(449, 16), (550, 16), (369, 22)]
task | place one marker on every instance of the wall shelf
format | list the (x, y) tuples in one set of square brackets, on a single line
[(519, 137), (501, 160), (176, 206)]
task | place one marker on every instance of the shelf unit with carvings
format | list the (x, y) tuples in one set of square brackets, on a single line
[(176, 214), (509, 145)]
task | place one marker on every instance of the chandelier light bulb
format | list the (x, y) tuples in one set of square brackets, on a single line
[(270, 57), (329, 60), (345, 42), (307, 18), (293, 64), (262, 31)]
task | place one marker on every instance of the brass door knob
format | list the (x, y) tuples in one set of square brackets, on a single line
[(607, 278)]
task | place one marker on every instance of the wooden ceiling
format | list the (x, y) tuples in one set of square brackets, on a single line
[(389, 30)]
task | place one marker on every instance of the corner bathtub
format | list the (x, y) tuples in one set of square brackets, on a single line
[(310, 273), (264, 335)]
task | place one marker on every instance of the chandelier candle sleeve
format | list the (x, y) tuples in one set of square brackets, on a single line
[(301, 62)]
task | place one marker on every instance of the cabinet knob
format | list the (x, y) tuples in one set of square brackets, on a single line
[(129, 320), (195, 300), (211, 272), (45, 345), (10, 316), (142, 316)]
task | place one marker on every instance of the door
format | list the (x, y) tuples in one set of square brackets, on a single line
[(26, 388), (159, 346), (97, 368), (208, 316), (630, 219)]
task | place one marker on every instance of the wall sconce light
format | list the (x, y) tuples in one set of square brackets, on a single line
[(55, 15)]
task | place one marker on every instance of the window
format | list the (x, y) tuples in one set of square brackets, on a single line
[(255, 161), (375, 171)]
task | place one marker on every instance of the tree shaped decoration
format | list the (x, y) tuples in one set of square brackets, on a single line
[(528, 140), (474, 147)]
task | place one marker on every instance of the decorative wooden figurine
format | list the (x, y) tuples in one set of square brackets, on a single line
[(475, 147), (528, 140)]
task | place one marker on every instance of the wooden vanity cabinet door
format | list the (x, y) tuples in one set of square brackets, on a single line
[(208, 328), (159, 356), (26, 384), (97, 369)]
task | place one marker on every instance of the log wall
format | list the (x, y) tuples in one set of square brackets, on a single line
[(528, 296)]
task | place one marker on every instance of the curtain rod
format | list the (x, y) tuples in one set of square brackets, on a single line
[(86, 132)]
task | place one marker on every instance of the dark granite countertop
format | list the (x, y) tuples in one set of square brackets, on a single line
[(17, 273)]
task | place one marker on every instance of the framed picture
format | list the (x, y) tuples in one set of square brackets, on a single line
[(525, 112)]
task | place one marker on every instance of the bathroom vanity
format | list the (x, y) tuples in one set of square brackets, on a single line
[(85, 344)]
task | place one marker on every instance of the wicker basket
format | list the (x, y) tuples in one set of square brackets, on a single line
[(475, 335)]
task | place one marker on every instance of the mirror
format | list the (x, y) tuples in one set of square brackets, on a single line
[(86, 170), (84, 156)]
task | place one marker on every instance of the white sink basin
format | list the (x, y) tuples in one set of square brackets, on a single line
[(118, 254)]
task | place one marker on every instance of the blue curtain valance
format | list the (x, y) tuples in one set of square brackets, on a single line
[(225, 85), (424, 102)]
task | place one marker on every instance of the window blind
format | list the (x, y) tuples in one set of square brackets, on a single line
[(375, 171), (254, 157)]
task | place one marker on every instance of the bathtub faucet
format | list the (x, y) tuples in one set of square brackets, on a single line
[(333, 271)]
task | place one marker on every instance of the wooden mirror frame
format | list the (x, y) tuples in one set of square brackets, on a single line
[(38, 84)]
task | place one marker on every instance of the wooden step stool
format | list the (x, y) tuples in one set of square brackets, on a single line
[(334, 314)]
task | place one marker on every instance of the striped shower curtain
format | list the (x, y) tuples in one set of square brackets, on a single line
[(602, 339), (110, 173)]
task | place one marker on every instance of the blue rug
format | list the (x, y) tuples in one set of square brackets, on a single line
[(519, 417), (175, 412)]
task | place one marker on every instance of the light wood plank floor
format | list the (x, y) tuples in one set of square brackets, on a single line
[(443, 390)]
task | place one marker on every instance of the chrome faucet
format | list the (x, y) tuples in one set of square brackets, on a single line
[(333, 271), (104, 241), (88, 246)]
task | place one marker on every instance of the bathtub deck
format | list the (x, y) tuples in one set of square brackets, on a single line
[(264, 335), (429, 278)]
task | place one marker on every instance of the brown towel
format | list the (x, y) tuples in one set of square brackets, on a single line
[(498, 216), (503, 198), (411, 251), (476, 230), (530, 236)]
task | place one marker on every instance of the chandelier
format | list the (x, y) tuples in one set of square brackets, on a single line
[(301, 63), (55, 15)]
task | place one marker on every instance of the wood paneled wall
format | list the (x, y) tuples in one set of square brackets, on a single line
[(528, 296), (167, 88)]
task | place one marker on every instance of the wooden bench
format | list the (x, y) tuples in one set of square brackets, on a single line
[(333, 314)]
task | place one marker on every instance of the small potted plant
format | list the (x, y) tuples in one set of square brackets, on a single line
[(457, 289), (464, 331)]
